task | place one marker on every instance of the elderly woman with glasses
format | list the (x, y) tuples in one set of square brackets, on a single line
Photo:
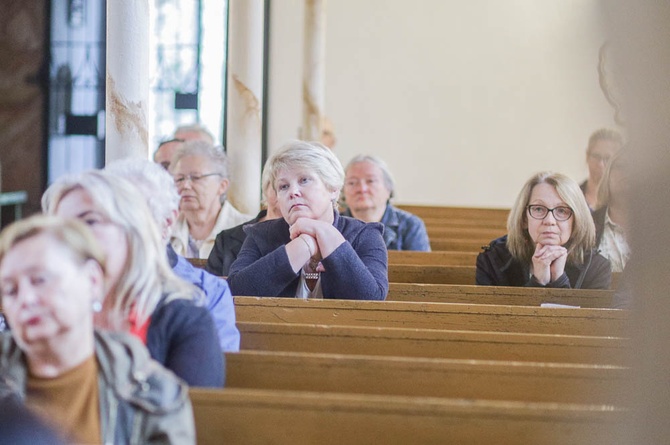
[(312, 251), (550, 240), (200, 171)]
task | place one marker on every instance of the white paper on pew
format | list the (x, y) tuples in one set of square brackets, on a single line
[(557, 305)]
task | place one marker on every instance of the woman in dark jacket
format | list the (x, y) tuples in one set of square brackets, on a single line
[(550, 240), (312, 252)]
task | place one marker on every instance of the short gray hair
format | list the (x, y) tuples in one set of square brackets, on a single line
[(386, 173), (312, 156), (215, 155), (196, 128), (154, 182)]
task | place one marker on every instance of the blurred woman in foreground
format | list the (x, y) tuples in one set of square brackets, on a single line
[(93, 386)]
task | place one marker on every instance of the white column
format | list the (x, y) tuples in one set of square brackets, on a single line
[(127, 79), (243, 113), (313, 74)]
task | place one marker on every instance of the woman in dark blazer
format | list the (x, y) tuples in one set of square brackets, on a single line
[(312, 251)]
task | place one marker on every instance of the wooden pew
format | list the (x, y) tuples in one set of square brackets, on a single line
[(444, 274), (464, 213), (433, 343), (482, 234), (433, 258), (464, 222), (430, 273), (521, 296), (252, 416), (471, 317), (419, 377), (457, 244)]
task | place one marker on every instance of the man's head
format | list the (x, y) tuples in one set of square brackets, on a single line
[(166, 150), (603, 144)]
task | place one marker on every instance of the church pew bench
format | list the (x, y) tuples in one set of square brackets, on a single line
[(504, 295), (450, 316), (444, 258), (420, 377), (431, 273), (433, 343), (253, 416)]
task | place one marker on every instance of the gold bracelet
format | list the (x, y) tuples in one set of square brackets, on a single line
[(309, 249)]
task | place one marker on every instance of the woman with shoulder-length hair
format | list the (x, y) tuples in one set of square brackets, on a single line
[(92, 386), (550, 240), (312, 251), (200, 171), (143, 295)]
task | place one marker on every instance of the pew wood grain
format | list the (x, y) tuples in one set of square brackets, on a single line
[(252, 416), (419, 315), (433, 343), (420, 377)]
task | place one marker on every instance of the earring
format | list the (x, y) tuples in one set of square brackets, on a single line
[(96, 306)]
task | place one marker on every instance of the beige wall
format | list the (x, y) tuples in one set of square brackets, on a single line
[(463, 99)]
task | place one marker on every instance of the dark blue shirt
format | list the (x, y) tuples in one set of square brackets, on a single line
[(182, 338)]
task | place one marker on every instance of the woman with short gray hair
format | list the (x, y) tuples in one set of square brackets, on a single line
[(200, 171), (368, 189), (312, 251)]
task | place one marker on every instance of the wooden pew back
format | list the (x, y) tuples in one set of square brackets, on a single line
[(432, 343), (472, 317), (251, 416), (419, 377), (522, 296)]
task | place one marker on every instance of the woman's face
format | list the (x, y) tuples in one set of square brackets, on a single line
[(302, 194), (199, 188), (79, 204), (46, 293), (548, 231), (364, 188), (598, 156)]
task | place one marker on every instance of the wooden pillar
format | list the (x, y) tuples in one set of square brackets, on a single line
[(127, 79), (243, 111), (313, 78)]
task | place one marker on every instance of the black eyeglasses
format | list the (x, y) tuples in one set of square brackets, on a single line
[(193, 178), (540, 212)]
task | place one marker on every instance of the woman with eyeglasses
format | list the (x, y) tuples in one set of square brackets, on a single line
[(550, 240), (200, 171)]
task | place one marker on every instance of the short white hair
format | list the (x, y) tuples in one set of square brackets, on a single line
[(154, 182)]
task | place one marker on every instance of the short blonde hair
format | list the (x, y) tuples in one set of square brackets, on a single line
[(147, 275), (311, 156), (583, 236)]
